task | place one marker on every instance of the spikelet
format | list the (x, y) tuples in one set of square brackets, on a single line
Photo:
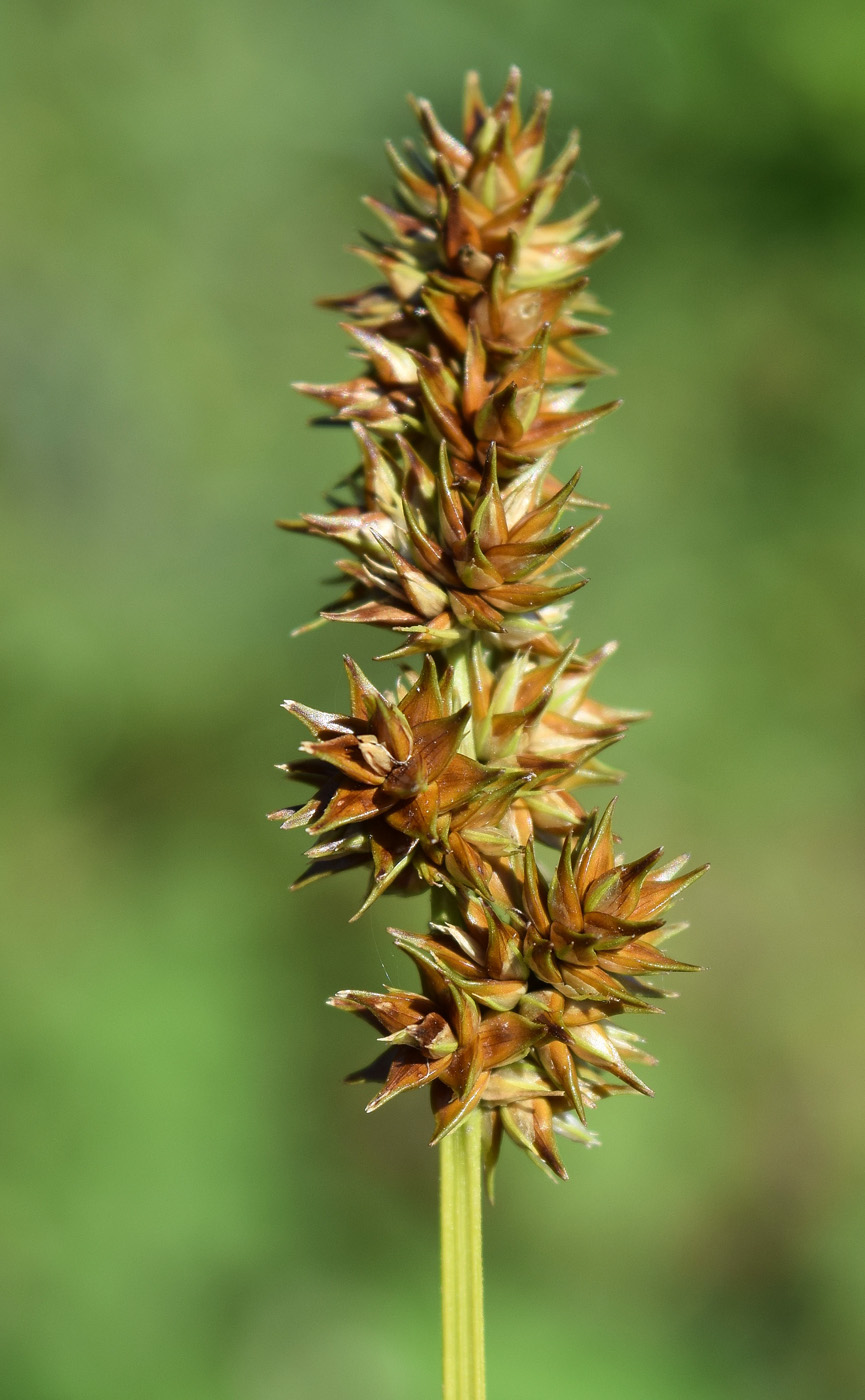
[(459, 535)]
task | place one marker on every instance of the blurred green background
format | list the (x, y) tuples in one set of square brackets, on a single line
[(191, 1204)]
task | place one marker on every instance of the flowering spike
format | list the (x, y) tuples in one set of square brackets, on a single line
[(466, 777)]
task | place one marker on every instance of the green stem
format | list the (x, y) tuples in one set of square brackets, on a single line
[(463, 1369)]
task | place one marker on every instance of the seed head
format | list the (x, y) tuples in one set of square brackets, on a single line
[(459, 534)]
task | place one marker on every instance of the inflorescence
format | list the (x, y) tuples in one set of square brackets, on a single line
[(465, 778)]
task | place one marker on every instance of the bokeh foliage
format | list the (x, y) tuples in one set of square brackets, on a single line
[(190, 1203)]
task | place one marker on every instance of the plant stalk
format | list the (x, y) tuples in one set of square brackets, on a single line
[(463, 1365)]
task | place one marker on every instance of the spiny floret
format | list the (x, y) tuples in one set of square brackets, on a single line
[(474, 334), (546, 975), (393, 791), (558, 1060), (443, 1036), (471, 367), (593, 929), (437, 563), (538, 716), (464, 400)]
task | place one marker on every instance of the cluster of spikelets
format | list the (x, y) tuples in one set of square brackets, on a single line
[(465, 778)]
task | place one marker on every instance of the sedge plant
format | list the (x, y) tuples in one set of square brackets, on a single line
[(462, 775)]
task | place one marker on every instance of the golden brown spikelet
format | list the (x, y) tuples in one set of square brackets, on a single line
[(463, 778)]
